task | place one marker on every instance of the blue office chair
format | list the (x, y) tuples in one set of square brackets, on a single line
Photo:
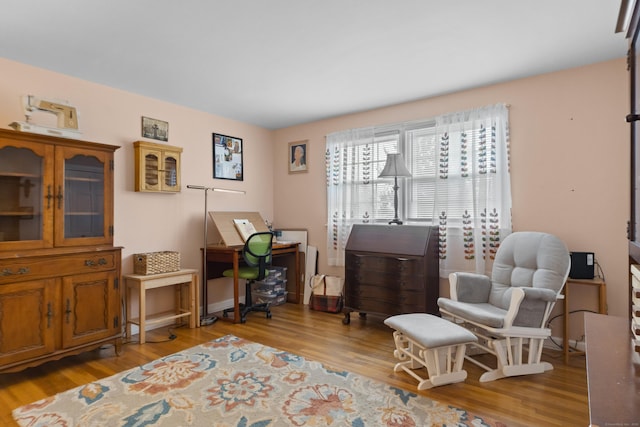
[(257, 256)]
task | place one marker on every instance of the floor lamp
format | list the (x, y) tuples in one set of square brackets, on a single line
[(205, 317), (394, 168)]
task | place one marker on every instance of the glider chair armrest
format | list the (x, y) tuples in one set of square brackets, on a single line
[(546, 295), (469, 287), (514, 307), (522, 307)]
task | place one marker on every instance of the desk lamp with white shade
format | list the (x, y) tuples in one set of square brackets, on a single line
[(395, 167)]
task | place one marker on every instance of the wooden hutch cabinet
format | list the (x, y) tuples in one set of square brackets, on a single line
[(391, 269), (157, 167), (59, 270)]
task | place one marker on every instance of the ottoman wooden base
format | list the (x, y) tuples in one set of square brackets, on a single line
[(424, 340)]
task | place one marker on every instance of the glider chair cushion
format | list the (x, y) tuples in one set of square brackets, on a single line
[(528, 275)]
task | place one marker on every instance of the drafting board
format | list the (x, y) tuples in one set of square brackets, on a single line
[(225, 231)]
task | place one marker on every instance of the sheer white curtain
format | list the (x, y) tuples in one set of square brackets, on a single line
[(473, 187), (350, 197), (460, 183)]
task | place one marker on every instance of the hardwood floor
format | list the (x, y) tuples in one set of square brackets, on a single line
[(555, 398)]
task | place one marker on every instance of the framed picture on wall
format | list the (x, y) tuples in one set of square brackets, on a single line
[(227, 157), (155, 129), (298, 158)]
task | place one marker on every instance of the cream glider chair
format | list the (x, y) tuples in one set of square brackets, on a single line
[(509, 311)]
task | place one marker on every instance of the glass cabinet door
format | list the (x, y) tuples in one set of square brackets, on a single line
[(171, 172), (80, 197), (84, 197), (25, 195), (152, 170)]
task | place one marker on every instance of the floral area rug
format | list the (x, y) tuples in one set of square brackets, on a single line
[(234, 382)]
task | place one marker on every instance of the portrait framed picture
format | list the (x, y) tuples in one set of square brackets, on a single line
[(227, 157), (155, 129), (298, 158)]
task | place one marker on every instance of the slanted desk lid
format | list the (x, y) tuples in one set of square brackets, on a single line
[(394, 239), (225, 231)]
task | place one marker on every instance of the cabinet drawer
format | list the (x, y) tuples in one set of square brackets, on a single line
[(19, 269), (394, 265), (406, 303), (396, 282), (387, 295)]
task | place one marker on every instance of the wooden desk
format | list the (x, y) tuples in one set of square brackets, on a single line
[(602, 309), (143, 283), (613, 372), (220, 258)]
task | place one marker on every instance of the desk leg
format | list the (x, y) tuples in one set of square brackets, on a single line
[(127, 308), (194, 319), (142, 311), (602, 303), (179, 290), (236, 288), (297, 268)]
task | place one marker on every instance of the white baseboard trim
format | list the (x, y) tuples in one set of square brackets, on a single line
[(578, 345), (213, 308), (135, 329), (221, 305)]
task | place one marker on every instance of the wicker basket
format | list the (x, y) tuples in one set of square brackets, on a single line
[(156, 262)]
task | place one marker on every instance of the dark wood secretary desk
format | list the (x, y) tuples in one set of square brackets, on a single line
[(221, 257), (391, 269)]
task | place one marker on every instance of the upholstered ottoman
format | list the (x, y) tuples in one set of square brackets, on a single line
[(424, 340)]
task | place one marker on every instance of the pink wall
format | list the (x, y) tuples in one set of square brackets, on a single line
[(570, 164), (146, 222)]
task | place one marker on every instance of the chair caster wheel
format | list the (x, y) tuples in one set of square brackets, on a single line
[(225, 314), (269, 316)]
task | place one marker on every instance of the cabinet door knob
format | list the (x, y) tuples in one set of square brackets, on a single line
[(49, 196), (67, 311), (59, 197), (49, 314)]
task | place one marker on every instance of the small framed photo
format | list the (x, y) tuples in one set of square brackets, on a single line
[(298, 160), (227, 157), (155, 129)]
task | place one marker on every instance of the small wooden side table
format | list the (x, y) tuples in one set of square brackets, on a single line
[(185, 279), (602, 309)]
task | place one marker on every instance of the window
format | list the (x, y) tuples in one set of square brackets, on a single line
[(460, 182)]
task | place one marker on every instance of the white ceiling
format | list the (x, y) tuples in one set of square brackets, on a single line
[(277, 63)]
